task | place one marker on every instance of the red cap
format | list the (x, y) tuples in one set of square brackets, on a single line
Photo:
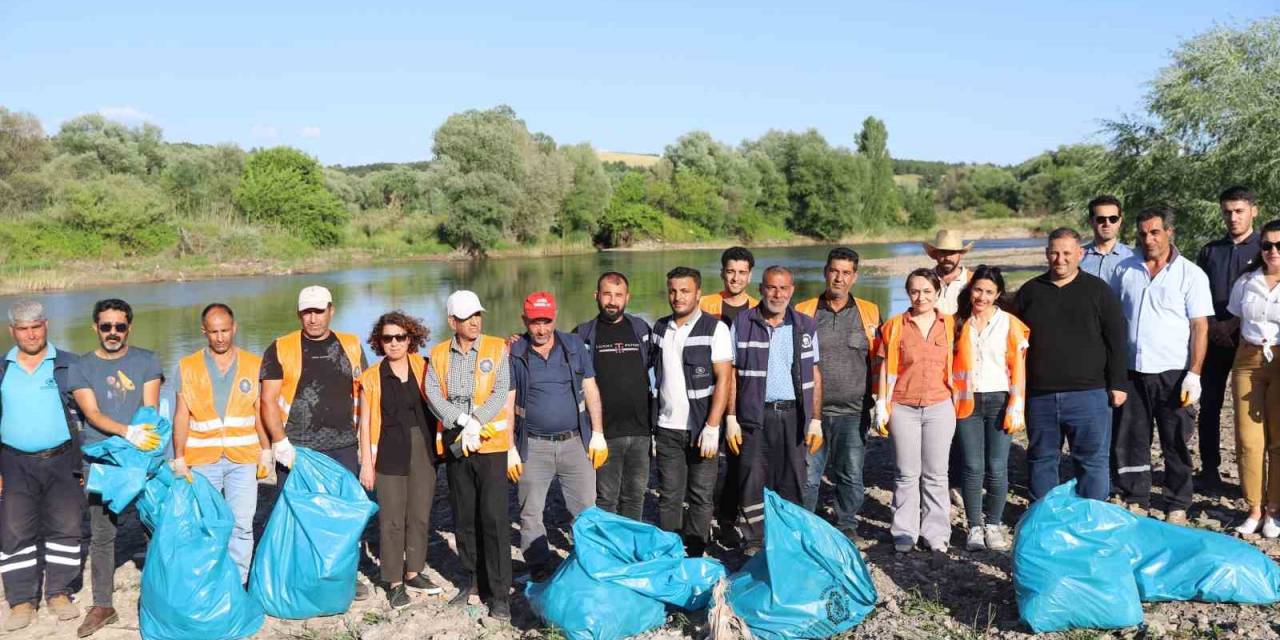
[(540, 305)]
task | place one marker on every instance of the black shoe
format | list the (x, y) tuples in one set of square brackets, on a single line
[(424, 584), (695, 548), (540, 573), (397, 597), (751, 550), (500, 609), (362, 590), (466, 588)]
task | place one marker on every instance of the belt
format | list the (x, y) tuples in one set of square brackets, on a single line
[(47, 453), (555, 437), (781, 405)]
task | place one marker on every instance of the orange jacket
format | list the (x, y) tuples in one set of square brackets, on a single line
[(1015, 361)]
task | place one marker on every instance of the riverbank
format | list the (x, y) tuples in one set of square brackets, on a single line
[(82, 274)]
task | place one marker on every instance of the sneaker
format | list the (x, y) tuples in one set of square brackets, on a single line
[(1270, 528), (398, 597), (1249, 526), (95, 620), (424, 584), (20, 617), (995, 538), (1177, 516), (362, 590), (63, 608), (939, 548), (977, 539), (903, 547), (500, 609)]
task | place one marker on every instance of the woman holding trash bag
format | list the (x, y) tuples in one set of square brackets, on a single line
[(395, 455), (990, 394), (914, 407), (1255, 385)]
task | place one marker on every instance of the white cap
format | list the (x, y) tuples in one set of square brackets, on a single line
[(314, 297), (463, 304)]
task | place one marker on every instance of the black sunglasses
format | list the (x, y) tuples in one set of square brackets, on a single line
[(1106, 219), (1267, 246), (388, 338), (106, 327)]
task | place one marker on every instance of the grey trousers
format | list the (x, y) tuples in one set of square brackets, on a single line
[(548, 460), (102, 551), (921, 439), (621, 481)]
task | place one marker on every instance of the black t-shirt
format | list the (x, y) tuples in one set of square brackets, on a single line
[(403, 409), (623, 380), (320, 417), (729, 312)]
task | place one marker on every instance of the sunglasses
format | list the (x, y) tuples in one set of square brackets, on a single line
[(388, 338), (1106, 219), (1268, 246), (120, 327)]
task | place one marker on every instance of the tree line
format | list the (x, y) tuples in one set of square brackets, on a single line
[(97, 188)]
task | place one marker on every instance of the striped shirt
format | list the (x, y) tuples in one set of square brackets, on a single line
[(462, 386)]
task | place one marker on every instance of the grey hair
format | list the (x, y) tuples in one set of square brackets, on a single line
[(26, 311)]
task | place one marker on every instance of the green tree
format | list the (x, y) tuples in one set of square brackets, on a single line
[(590, 194), (23, 146), (285, 187), (118, 148), (629, 217), (880, 197), (921, 211), (121, 209)]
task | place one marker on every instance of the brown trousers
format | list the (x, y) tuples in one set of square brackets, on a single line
[(1255, 384)]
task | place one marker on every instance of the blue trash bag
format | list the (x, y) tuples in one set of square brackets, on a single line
[(152, 498), (1182, 563), (190, 586), (809, 580), (1070, 564), (305, 564), (120, 470), (619, 578)]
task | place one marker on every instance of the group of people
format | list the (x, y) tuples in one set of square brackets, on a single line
[(726, 396)]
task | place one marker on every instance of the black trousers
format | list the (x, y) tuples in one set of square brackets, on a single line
[(685, 477), (1154, 397), (773, 457), (1213, 387), (41, 511), (478, 494)]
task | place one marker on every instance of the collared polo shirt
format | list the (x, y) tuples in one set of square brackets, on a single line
[(847, 365), (778, 383), (1223, 261), (1103, 265), (221, 382), (33, 418), (550, 407), (1159, 310), (673, 408), (1258, 307), (949, 297)]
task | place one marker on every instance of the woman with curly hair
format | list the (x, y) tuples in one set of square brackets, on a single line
[(395, 454)]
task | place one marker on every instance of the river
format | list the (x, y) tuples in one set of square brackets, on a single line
[(166, 314)]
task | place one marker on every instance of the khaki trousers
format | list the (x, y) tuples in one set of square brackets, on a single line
[(1255, 383)]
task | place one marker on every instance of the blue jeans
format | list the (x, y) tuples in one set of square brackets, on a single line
[(842, 451), (1083, 419), (239, 485), (985, 455)]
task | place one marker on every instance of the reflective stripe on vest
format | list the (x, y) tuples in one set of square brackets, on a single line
[(1016, 367), (890, 346), (371, 394), (289, 353), (210, 437), (752, 334), (695, 360), (490, 352)]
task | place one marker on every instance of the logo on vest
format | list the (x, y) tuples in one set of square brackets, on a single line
[(805, 340), (486, 365), (245, 385), (700, 371)]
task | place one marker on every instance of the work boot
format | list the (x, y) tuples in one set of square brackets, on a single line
[(20, 617), (95, 620), (63, 608), (500, 609)]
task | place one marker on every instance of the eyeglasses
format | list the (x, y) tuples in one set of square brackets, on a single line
[(1268, 246), (106, 327), (1106, 219), (388, 338)]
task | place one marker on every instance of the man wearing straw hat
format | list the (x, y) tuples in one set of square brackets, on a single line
[(947, 250)]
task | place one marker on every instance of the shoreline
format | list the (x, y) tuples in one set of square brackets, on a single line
[(71, 276)]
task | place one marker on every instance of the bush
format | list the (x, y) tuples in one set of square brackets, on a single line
[(921, 212), (121, 209), (285, 187), (993, 210)]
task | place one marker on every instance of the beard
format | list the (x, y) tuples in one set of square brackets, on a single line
[(610, 314)]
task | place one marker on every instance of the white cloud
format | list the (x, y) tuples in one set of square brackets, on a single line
[(264, 131), (126, 114), (310, 132)]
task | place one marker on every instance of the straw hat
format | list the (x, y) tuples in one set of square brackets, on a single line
[(946, 240)]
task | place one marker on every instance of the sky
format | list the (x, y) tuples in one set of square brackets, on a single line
[(355, 83)]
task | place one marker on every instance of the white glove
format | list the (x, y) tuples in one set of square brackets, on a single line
[(266, 462), (143, 436), (882, 417), (813, 436), (283, 452), (471, 435), (1016, 420), (597, 449), (515, 466), (709, 441), (180, 469), (1190, 389), (733, 434)]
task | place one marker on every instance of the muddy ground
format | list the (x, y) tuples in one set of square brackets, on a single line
[(962, 595)]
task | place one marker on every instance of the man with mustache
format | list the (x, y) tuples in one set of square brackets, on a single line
[(110, 383), (620, 346)]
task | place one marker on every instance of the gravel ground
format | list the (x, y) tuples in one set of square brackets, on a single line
[(960, 595)]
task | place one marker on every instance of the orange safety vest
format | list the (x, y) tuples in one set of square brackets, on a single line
[(714, 303), (490, 352), (210, 436), (371, 394), (868, 310), (1015, 361), (289, 352), (890, 346)]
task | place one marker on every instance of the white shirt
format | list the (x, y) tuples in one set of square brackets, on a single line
[(990, 348), (1160, 309), (673, 401), (1258, 308), (949, 297)]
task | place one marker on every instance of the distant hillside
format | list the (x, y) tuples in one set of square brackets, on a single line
[(365, 169), (638, 160)]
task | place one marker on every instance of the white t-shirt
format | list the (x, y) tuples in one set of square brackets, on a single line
[(673, 403), (949, 297), (991, 346), (1258, 308)]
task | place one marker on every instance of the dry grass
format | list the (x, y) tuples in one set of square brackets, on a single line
[(637, 160)]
